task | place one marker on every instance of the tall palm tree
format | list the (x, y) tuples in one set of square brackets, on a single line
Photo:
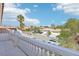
[(2, 8), (20, 18)]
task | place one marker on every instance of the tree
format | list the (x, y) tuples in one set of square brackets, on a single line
[(37, 29), (73, 25), (20, 18), (68, 33)]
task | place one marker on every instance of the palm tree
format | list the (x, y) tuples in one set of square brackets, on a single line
[(2, 8), (20, 18)]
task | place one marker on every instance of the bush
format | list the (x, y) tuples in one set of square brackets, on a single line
[(27, 30), (37, 31), (49, 33)]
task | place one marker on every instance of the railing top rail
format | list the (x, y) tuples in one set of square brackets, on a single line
[(50, 47)]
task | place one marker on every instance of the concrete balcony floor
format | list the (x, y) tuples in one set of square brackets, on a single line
[(7, 48)]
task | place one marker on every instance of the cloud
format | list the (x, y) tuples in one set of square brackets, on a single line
[(27, 21), (18, 5), (54, 9), (59, 7), (10, 20), (9, 5), (11, 11), (35, 5), (10, 14), (71, 8), (32, 21), (14, 11), (27, 9)]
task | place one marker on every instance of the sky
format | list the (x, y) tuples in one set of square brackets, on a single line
[(40, 14)]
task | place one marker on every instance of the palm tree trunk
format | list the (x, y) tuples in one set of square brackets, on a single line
[(1, 12)]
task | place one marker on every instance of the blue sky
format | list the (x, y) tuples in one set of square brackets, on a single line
[(40, 13)]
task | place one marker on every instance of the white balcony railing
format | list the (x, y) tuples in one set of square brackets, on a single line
[(32, 47)]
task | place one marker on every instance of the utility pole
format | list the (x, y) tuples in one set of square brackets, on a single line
[(1, 12)]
